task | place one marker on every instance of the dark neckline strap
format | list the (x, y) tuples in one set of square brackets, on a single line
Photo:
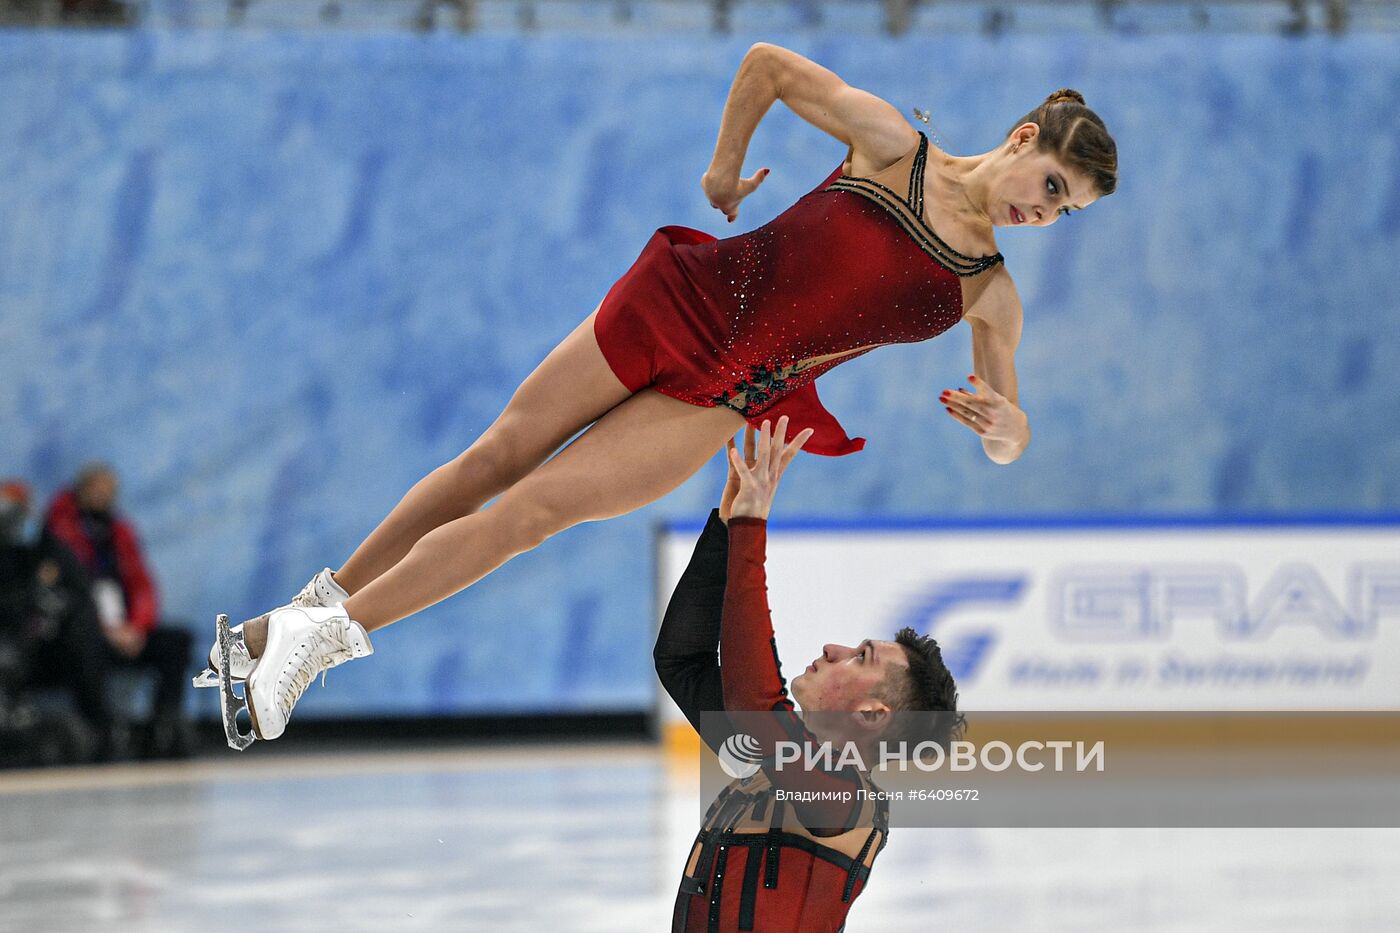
[(908, 210), (916, 178)]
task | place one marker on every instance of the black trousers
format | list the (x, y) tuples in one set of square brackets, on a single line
[(167, 653), (81, 659), (78, 659)]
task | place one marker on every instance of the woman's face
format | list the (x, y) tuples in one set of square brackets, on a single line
[(1035, 188)]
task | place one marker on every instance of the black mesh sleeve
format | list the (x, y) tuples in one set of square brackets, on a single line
[(687, 647)]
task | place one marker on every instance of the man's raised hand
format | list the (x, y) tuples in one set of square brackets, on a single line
[(757, 483), (731, 483)]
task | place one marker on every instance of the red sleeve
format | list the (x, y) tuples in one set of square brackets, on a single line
[(62, 522), (748, 653), (142, 602), (753, 683)]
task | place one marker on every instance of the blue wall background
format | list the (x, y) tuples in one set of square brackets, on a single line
[(276, 278)]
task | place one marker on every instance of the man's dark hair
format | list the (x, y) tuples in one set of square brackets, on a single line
[(927, 686)]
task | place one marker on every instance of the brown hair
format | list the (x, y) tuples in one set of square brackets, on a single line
[(1076, 135)]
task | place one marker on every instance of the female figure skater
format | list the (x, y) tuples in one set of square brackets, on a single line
[(702, 335)]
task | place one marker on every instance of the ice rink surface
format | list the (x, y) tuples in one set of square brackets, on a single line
[(591, 837)]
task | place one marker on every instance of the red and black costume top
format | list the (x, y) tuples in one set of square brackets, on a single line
[(759, 863), (750, 322)]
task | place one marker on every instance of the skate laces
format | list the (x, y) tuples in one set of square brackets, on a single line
[(308, 596), (328, 646)]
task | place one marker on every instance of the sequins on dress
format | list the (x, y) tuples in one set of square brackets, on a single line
[(750, 322)]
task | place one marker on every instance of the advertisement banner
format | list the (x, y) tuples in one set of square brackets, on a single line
[(1165, 615)]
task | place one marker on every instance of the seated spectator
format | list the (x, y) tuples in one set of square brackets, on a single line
[(84, 518), (47, 615)]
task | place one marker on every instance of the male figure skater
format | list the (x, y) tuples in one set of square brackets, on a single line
[(761, 862)]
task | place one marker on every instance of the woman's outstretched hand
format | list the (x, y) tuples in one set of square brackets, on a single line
[(1003, 427), (725, 191), (753, 478)]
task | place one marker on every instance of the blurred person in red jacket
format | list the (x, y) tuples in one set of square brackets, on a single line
[(49, 624), (85, 519)]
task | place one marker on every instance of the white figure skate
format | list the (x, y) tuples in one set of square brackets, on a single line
[(301, 643), (321, 590)]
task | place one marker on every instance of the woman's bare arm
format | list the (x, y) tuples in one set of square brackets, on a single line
[(992, 409), (873, 129)]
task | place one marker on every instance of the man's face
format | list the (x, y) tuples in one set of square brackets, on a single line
[(99, 493), (843, 678)]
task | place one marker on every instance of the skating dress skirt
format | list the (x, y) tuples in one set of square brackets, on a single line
[(751, 321)]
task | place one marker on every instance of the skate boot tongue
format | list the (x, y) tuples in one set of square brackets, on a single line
[(354, 638), (342, 639), (321, 592)]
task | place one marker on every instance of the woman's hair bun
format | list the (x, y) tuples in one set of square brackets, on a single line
[(1065, 95)]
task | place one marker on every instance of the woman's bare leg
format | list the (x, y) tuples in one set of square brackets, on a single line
[(570, 389), (632, 456)]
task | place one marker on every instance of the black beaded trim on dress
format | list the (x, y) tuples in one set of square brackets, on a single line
[(767, 384), (763, 385), (916, 178), (923, 234), (909, 212)]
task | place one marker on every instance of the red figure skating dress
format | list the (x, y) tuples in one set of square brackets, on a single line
[(751, 321)]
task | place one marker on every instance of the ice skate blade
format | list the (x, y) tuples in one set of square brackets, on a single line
[(230, 703), (209, 678)]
